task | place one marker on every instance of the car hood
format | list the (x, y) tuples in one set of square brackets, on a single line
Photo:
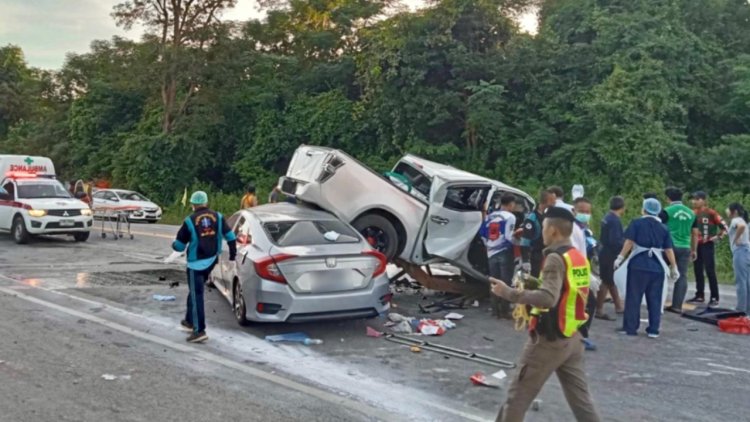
[(54, 203)]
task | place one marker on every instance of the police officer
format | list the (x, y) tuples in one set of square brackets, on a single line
[(558, 311), (202, 234)]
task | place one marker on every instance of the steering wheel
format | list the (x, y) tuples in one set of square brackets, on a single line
[(400, 178)]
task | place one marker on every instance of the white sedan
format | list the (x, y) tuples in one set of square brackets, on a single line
[(145, 210)]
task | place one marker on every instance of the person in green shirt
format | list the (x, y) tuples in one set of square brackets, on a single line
[(680, 224)]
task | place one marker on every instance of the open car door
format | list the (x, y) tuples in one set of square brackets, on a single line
[(454, 217)]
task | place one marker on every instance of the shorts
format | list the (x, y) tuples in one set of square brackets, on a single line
[(607, 270)]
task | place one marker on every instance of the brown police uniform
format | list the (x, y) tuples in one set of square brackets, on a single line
[(545, 353)]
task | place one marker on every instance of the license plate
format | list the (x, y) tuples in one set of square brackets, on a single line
[(67, 223)]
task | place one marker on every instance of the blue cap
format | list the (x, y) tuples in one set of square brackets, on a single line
[(199, 198), (652, 206)]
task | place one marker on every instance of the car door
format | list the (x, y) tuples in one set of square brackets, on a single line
[(454, 217), (6, 205), (227, 268)]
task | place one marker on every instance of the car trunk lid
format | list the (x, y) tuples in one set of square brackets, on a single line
[(327, 268)]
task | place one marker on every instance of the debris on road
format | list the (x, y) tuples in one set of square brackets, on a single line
[(403, 327), (110, 377), (454, 316), (165, 298), (488, 338), (501, 375), (174, 284), (737, 325), (480, 379), (449, 351), (536, 405), (415, 349), (371, 332), (291, 337)]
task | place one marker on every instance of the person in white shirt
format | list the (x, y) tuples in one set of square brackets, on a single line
[(560, 201), (740, 244)]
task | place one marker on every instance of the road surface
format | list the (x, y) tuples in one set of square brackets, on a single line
[(73, 316)]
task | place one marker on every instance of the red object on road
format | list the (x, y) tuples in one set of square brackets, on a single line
[(737, 325), (480, 379)]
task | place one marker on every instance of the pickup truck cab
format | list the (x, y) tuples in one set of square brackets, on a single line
[(33, 202), (422, 222)]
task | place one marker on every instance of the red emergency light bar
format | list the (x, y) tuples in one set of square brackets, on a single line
[(20, 175)]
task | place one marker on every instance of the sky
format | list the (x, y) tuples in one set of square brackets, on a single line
[(48, 29)]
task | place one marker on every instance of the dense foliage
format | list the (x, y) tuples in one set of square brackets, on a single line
[(622, 95)]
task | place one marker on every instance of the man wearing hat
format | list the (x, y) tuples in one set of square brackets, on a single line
[(558, 310), (709, 227), (646, 241), (202, 235)]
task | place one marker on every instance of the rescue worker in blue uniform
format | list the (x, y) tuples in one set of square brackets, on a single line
[(202, 234)]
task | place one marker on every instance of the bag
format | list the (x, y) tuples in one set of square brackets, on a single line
[(737, 325)]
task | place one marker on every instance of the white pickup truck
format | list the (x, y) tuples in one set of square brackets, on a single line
[(422, 212), (33, 202)]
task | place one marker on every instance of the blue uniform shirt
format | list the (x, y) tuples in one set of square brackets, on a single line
[(648, 232)]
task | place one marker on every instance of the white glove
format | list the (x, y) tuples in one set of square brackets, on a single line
[(526, 267), (171, 258), (619, 261), (674, 274)]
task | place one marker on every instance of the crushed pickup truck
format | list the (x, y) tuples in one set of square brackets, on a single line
[(418, 214)]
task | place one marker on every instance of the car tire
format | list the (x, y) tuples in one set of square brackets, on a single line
[(20, 235), (379, 232), (81, 237), (238, 305)]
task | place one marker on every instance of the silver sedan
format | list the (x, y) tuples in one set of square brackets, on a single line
[(295, 264)]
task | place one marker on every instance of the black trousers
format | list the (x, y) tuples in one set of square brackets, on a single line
[(706, 261), (591, 310), (536, 258)]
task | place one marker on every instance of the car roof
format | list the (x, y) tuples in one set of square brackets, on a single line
[(285, 211)]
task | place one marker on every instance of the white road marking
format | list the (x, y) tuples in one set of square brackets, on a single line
[(731, 368), (302, 388), (200, 354)]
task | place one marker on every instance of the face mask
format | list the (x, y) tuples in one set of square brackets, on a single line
[(583, 218)]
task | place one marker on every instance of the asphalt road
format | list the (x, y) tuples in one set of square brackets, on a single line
[(73, 314)]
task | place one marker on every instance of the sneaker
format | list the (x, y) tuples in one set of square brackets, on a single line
[(186, 326), (589, 345), (197, 338), (623, 332), (697, 299), (673, 310), (713, 303), (652, 335)]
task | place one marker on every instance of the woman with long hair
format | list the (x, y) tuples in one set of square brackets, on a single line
[(739, 239)]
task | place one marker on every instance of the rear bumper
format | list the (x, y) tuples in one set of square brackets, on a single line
[(316, 307)]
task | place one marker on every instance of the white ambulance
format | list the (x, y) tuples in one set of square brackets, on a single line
[(33, 202)]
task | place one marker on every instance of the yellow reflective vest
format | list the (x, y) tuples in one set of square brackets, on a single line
[(569, 314)]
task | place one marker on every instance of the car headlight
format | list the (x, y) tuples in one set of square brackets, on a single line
[(37, 213), (86, 211)]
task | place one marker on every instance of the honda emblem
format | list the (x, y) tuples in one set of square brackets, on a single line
[(331, 262)]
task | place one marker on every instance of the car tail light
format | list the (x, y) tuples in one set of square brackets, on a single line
[(387, 298), (382, 262), (268, 269)]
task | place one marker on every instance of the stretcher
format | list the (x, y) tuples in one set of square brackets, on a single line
[(115, 220)]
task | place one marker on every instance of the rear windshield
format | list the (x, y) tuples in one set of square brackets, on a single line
[(419, 181), (38, 189), (307, 233)]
